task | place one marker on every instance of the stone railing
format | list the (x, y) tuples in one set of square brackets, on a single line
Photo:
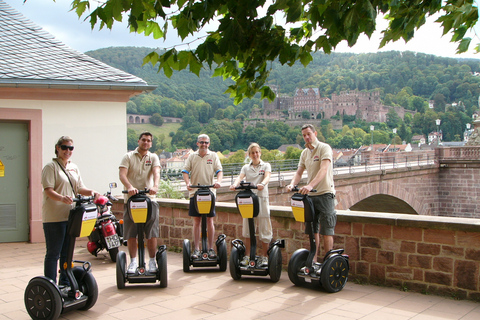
[(467, 153), (437, 255)]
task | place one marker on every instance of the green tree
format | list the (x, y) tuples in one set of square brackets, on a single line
[(156, 119), (245, 42), (292, 153)]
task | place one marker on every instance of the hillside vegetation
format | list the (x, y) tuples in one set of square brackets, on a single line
[(404, 79)]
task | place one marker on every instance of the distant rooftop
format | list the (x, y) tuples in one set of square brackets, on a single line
[(31, 57)]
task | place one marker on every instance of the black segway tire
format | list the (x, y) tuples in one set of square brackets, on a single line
[(297, 261), (186, 255), (275, 264), (121, 269), (235, 264), (162, 269), (87, 285), (113, 254), (334, 274), (42, 299), (222, 255)]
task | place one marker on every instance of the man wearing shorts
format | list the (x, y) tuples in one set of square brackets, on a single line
[(316, 158), (140, 169), (200, 168)]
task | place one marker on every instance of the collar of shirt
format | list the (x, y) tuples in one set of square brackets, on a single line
[(314, 144)]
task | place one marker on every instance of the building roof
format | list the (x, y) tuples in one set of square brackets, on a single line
[(31, 57)]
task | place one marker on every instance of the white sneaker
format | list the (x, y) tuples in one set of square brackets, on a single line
[(245, 261), (152, 266), (263, 262), (132, 267)]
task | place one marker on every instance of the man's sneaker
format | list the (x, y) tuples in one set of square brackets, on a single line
[(132, 267), (263, 262), (212, 254), (152, 266), (245, 261), (196, 254)]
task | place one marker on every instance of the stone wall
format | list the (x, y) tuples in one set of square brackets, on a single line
[(438, 255)]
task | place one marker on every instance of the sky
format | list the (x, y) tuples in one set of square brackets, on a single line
[(56, 18)]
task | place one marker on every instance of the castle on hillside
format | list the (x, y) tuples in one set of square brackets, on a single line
[(363, 105)]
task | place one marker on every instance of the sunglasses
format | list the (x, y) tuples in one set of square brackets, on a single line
[(204, 142), (64, 147)]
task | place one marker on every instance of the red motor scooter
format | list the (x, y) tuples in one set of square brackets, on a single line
[(108, 231)]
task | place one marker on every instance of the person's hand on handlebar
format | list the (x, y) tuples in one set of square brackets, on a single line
[(132, 191), (67, 199), (305, 189), (216, 185), (153, 190), (289, 187), (232, 187), (189, 187)]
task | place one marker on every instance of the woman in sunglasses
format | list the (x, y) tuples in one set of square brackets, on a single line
[(61, 181)]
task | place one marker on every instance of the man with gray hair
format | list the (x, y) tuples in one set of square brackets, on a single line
[(200, 168)]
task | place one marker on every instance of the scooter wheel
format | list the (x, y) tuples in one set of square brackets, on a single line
[(222, 255), (162, 269), (334, 274), (87, 285), (42, 299), (121, 269), (235, 264), (275, 264), (113, 254), (297, 261), (186, 255)]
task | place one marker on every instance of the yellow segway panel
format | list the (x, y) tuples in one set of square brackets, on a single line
[(245, 206), (298, 209), (139, 211), (88, 221), (204, 203)]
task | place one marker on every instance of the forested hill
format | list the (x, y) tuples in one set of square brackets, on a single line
[(418, 74), (404, 79)]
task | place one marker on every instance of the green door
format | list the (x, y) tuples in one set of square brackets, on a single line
[(13, 182)]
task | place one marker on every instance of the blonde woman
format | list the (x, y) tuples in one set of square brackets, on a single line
[(257, 172)]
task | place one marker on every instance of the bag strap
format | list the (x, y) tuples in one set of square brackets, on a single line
[(68, 176)]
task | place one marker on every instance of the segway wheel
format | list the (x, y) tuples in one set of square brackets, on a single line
[(275, 264), (42, 299), (121, 269), (162, 269), (334, 274), (222, 255), (113, 254), (235, 264), (186, 255), (297, 261), (87, 285)]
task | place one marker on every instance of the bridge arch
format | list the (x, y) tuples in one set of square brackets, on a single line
[(393, 195)]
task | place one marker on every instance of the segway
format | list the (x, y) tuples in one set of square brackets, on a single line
[(140, 210), (43, 298), (332, 274), (248, 206), (204, 201)]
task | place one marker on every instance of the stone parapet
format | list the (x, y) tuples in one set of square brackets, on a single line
[(438, 255)]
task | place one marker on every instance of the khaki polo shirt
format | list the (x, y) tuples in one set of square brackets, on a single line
[(202, 169), (310, 160), (54, 177), (139, 169)]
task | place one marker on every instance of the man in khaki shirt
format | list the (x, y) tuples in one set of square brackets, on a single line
[(200, 168), (316, 158), (140, 169)]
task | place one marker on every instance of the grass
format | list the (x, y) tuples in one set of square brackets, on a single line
[(166, 128)]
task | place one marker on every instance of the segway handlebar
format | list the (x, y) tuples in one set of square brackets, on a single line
[(146, 191), (295, 189), (246, 186), (199, 186), (82, 199)]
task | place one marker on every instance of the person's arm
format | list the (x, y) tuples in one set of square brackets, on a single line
[(322, 172), (55, 196), (88, 192), (156, 180), (296, 178), (126, 183), (236, 183), (186, 178), (218, 184), (265, 181)]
